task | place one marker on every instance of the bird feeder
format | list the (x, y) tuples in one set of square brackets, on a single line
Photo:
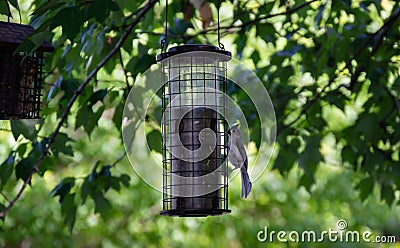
[(21, 75), (195, 140)]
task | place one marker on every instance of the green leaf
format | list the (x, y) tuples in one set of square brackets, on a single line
[(82, 116), (157, 115), (97, 96), (290, 51), (349, 155), (49, 163), (93, 120), (14, 3), (47, 6), (105, 171), (286, 158), (87, 118), (318, 17), (368, 126), (307, 180), (60, 145), (140, 65), (181, 25), (266, 31), (255, 133), (125, 179), (68, 210), (86, 189), (154, 140), (240, 42), (100, 9), (6, 169), (102, 205), (365, 186), (311, 156), (255, 57), (21, 150), (71, 19), (117, 118), (63, 188), (38, 149), (387, 193), (24, 127), (69, 86), (4, 8), (115, 183), (32, 42), (23, 169)]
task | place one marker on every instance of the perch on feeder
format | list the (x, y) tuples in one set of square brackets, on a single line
[(195, 140), (21, 75)]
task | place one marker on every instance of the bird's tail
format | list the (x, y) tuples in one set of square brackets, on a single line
[(246, 184)]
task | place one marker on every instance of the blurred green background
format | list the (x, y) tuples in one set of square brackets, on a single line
[(331, 68)]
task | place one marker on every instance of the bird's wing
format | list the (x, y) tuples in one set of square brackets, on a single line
[(243, 153)]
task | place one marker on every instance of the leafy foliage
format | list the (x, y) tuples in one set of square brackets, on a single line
[(331, 68)]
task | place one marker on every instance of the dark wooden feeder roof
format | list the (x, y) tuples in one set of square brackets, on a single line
[(13, 34)]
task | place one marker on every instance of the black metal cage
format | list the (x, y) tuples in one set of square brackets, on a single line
[(195, 173), (21, 75)]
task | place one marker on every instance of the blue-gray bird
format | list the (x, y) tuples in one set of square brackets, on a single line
[(238, 157)]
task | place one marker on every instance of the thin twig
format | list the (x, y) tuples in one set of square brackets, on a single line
[(118, 45), (259, 19), (385, 29), (5, 197), (232, 26), (120, 158)]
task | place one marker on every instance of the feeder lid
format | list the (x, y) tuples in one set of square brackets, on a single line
[(13, 34), (192, 48)]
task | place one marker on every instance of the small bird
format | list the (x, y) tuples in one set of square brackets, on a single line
[(238, 157)]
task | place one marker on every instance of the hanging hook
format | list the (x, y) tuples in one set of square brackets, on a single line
[(165, 39), (219, 34)]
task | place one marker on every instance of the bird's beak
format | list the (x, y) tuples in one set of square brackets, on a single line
[(229, 131)]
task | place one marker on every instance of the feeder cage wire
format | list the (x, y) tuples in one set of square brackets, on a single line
[(195, 140), (21, 75)]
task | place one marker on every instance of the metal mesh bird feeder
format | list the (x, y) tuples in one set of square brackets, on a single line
[(21, 75), (195, 173)]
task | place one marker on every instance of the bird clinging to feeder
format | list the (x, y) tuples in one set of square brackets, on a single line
[(238, 158)]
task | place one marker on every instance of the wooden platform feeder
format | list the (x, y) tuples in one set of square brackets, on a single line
[(21, 75)]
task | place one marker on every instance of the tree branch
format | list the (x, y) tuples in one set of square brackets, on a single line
[(259, 19), (381, 33), (118, 45)]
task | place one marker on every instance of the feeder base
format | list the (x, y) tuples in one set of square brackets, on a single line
[(194, 212)]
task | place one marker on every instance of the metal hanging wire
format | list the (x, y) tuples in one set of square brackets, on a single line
[(219, 32), (165, 39)]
